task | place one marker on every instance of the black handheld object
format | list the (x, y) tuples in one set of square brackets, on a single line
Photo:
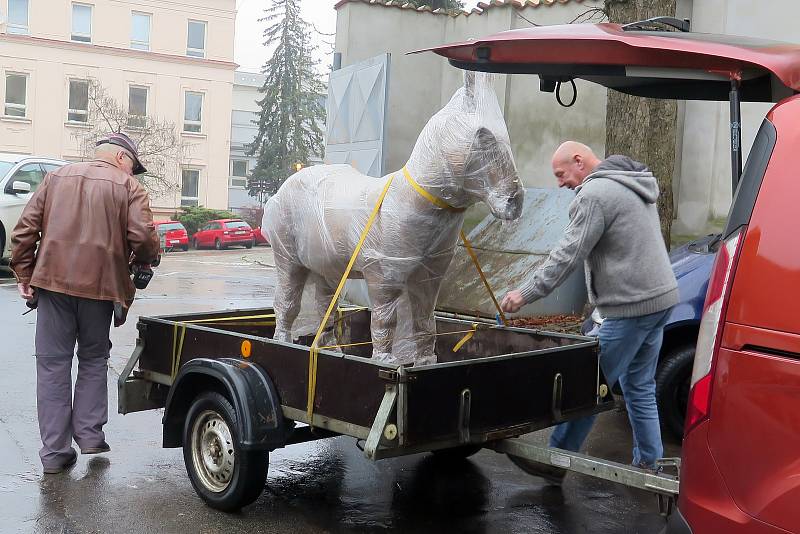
[(32, 303), (142, 274)]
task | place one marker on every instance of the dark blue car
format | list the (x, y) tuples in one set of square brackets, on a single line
[(692, 265)]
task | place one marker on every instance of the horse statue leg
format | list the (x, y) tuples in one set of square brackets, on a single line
[(291, 279), (383, 296), (323, 293), (423, 290)]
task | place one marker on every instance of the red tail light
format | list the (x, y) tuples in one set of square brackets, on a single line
[(710, 334)]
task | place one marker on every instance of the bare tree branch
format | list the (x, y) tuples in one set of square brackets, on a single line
[(161, 148)]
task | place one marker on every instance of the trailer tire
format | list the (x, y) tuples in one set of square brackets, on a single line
[(223, 475), (455, 454)]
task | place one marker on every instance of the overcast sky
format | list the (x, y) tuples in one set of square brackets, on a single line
[(251, 54)]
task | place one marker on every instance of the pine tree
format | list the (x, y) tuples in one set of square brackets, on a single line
[(292, 111)]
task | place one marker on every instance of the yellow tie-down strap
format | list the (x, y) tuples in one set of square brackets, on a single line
[(436, 201), (472, 255), (314, 350), (313, 354)]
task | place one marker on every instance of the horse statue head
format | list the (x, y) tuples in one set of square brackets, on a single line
[(463, 155)]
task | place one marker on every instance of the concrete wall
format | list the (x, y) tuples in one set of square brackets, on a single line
[(704, 179), (50, 59), (421, 84)]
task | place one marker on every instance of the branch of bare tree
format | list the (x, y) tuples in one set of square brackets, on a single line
[(161, 147)]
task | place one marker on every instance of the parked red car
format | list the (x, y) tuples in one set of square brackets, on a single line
[(223, 233), (741, 448), (260, 237), (172, 235)]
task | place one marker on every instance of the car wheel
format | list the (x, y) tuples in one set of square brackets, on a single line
[(223, 475), (673, 377), (185, 248), (195, 244), (249, 245), (218, 245)]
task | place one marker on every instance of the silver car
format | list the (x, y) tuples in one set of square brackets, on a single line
[(20, 176)]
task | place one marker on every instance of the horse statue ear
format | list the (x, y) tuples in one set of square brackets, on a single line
[(469, 89)]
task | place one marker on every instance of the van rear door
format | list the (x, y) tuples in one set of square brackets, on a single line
[(754, 424)]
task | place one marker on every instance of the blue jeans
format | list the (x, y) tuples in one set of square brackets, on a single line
[(629, 350)]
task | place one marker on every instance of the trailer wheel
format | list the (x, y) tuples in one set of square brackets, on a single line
[(224, 476), (456, 453)]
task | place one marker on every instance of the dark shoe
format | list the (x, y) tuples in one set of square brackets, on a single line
[(63, 467), (103, 447), (652, 469), (552, 474)]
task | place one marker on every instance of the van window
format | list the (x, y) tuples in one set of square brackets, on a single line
[(752, 176)]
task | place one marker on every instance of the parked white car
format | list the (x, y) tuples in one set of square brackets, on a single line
[(20, 175)]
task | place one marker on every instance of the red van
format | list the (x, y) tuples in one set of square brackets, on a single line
[(741, 450)]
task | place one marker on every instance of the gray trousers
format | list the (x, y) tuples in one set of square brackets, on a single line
[(61, 321)]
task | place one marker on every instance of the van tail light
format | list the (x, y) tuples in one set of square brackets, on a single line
[(710, 334)]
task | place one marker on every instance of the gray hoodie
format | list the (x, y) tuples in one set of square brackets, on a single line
[(614, 229)]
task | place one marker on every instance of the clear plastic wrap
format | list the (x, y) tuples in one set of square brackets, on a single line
[(314, 222)]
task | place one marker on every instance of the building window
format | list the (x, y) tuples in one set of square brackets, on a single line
[(196, 39), (16, 95), (140, 31), (18, 17), (82, 23), (193, 113), (137, 106), (189, 184), (238, 173), (78, 101)]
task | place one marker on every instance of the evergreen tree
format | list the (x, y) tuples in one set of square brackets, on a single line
[(292, 109)]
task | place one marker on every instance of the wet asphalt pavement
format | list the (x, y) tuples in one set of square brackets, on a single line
[(323, 486)]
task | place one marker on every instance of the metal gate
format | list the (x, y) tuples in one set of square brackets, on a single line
[(356, 108)]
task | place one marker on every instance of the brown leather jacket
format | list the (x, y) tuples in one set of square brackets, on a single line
[(87, 218)]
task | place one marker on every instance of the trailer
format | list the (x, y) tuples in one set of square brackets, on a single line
[(231, 394)]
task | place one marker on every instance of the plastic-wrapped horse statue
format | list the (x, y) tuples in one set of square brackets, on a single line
[(314, 222)]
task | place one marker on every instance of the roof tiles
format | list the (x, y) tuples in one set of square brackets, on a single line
[(481, 8)]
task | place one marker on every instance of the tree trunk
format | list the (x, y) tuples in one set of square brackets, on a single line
[(644, 128)]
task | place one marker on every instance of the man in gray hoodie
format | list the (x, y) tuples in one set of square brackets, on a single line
[(614, 229)]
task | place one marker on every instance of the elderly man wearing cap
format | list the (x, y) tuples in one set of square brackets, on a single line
[(88, 219)]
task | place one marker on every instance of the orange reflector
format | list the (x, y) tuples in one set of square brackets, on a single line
[(246, 347)]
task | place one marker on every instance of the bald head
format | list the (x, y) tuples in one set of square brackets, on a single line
[(115, 155), (572, 163)]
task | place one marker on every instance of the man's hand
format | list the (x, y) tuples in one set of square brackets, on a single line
[(25, 290), (512, 302)]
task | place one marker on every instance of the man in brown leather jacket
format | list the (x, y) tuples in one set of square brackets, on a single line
[(88, 219)]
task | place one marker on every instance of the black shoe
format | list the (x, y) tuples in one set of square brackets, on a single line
[(552, 474), (103, 447), (63, 467)]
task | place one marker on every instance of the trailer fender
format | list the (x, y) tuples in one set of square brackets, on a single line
[(245, 384)]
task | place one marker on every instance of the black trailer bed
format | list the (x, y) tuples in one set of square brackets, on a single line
[(503, 382)]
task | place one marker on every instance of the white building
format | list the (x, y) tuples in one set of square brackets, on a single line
[(243, 131), (172, 59)]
